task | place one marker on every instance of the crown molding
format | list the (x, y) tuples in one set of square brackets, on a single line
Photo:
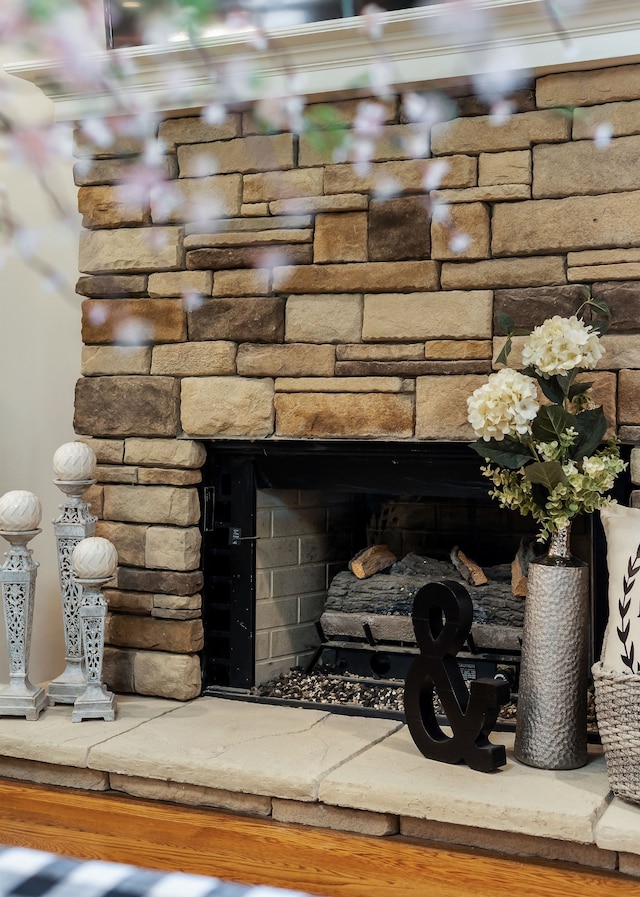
[(334, 57)]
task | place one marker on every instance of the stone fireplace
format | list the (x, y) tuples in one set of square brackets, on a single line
[(283, 296)]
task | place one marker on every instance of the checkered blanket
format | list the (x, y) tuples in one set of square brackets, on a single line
[(34, 873)]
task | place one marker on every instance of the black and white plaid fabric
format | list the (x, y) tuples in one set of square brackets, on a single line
[(34, 873)]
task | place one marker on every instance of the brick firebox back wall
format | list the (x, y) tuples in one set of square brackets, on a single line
[(318, 307)]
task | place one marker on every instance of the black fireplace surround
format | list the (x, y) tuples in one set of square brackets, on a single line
[(235, 470)]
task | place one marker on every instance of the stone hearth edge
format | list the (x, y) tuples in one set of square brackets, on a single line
[(317, 768)]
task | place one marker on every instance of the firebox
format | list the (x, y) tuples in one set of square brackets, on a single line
[(281, 519)]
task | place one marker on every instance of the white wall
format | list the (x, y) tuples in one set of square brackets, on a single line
[(40, 348)]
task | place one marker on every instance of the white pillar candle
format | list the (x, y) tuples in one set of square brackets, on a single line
[(621, 646)]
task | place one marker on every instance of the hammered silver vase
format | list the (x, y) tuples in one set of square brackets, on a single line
[(551, 726)]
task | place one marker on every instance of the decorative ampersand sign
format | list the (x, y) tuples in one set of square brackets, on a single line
[(442, 617)]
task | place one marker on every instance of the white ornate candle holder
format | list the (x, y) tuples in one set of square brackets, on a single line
[(94, 562), (74, 464), (20, 514)]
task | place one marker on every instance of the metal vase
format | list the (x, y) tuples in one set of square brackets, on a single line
[(551, 726)]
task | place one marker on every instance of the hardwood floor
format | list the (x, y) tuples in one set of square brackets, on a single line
[(256, 851)]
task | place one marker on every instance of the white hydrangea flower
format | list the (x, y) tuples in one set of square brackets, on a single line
[(505, 405), (560, 345)]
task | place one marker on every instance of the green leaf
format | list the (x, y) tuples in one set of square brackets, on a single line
[(551, 421), (505, 323), (546, 473), (591, 426), (599, 306), (551, 389), (503, 357), (579, 388), (507, 452)]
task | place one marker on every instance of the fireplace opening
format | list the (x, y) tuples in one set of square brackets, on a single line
[(281, 522)]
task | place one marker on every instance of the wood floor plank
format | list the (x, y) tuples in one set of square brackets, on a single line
[(94, 825)]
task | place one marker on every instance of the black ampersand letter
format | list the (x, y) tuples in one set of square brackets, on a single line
[(442, 617)]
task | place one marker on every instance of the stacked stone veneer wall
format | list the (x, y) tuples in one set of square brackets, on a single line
[(316, 308)]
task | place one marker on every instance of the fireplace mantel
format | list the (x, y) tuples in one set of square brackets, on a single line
[(334, 57)]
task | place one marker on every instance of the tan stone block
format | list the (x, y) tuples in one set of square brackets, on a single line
[(625, 271), (533, 271), (341, 238), (407, 176), (347, 110), (196, 199), (602, 257), (165, 453), (393, 142), (107, 451), (192, 795), (479, 134), (242, 283), (115, 171), (561, 225), (152, 504), (323, 319), (292, 360), (254, 209), (441, 406), (84, 147), (127, 538), (587, 88), (130, 249), (490, 193), (94, 496), (129, 602), (629, 864), (249, 225), (177, 602), (620, 119), (177, 131), (469, 219), (629, 397), (621, 351), (172, 548), (344, 202), (270, 185), (180, 283), (341, 415), (116, 474), (181, 637), (604, 392), (161, 476), (106, 206), (504, 168), (195, 359), (583, 167), (454, 348), (250, 238), (112, 286), (127, 406), (340, 384), (634, 466), (357, 277), (337, 818), (133, 321), (115, 360), (364, 352), (399, 229), (422, 316), (248, 154), (220, 406), (53, 774)]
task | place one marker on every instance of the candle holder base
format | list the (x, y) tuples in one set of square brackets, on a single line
[(96, 703), (22, 700), (68, 686)]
